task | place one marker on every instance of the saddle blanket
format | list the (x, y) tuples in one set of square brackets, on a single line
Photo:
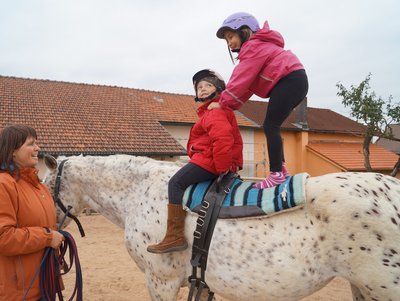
[(243, 200)]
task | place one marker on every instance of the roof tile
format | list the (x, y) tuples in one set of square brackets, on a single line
[(79, 118), (350, 156), (391, 145), (322, 120)]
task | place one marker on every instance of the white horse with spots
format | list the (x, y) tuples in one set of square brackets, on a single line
[(350, 227)]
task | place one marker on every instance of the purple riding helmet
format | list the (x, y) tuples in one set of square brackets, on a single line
[(236, 21)]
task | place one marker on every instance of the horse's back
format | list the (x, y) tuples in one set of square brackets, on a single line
[(348, 227), (356, 196), (359, 219)]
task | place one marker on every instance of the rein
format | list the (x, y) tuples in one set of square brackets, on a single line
[(58, 201), (50, 271), (53, 260), (50, 274)]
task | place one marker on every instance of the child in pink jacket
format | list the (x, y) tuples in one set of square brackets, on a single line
[(267, 70)]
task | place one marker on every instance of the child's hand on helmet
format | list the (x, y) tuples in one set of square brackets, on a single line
[(213, 105)]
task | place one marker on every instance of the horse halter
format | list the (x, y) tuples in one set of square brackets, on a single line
[(58, 201)]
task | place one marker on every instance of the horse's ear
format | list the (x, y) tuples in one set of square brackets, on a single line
[(50, 162)]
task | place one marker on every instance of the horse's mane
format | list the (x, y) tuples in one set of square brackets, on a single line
[(124, 162)]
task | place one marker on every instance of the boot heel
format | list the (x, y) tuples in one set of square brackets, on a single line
[(174, 239)]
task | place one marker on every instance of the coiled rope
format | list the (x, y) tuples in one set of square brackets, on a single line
[(50, 268), (50, 271)]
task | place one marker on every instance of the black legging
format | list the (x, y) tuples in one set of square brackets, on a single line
[(186, 176), (284, 97)]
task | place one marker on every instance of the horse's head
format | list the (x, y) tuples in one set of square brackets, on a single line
[(58, 181)]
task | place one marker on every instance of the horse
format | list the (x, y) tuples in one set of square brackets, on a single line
[(348, 227)]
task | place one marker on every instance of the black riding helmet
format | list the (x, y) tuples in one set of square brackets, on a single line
[(211, 77)]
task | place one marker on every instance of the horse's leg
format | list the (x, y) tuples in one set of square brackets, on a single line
[(161, 289), (357, 296), (167, 290)]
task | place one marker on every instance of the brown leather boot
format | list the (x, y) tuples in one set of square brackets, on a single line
[(174, 239)]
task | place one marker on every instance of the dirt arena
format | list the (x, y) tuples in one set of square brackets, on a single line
[(109, 274)]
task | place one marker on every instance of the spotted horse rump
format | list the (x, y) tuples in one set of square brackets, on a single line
[(243, 200), (349, 227)]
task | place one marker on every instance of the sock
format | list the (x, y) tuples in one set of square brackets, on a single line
[(274, 178), (285, 171)]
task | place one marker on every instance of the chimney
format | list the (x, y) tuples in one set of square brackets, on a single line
[(301, 114)]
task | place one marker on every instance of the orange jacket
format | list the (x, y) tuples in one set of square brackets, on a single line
[(26, 209)]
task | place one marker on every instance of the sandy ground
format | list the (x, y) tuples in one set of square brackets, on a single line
[(109, 274)]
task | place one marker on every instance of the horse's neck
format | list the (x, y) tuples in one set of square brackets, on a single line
[(115, 190)]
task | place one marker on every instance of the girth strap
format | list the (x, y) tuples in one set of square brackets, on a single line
[(208, 215)]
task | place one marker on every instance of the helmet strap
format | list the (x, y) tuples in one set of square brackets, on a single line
[(209, 97), (230, 54)]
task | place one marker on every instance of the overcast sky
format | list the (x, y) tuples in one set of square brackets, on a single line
[(158, 45)]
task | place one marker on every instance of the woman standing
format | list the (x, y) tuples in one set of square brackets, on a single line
[(27, 215)]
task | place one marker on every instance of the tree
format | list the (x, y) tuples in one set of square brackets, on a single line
[(396, 168), (371, 111)]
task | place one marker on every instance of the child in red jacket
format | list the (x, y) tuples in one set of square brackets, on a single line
[(267, 70), (214, 147)]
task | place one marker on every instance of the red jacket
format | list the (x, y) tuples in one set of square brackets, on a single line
[(26, 207), (263, 62), (215, 143)]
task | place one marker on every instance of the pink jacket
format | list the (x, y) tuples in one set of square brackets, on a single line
[(263, 62)]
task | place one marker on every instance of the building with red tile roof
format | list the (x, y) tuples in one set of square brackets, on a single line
[(320, 141), (391, 145), (76, 118), (314, 119), (350, 156), (84, 119)]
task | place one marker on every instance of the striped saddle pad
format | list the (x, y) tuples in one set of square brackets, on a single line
[(243, 200)]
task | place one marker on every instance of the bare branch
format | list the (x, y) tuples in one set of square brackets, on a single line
[(396, 168)]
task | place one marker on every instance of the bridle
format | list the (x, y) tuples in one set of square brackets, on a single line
[(58, 201), (49, 267)]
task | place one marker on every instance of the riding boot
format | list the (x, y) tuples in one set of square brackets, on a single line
[(174, 239)]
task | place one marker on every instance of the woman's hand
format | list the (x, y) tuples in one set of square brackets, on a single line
[(213, 105), (57, 239)]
